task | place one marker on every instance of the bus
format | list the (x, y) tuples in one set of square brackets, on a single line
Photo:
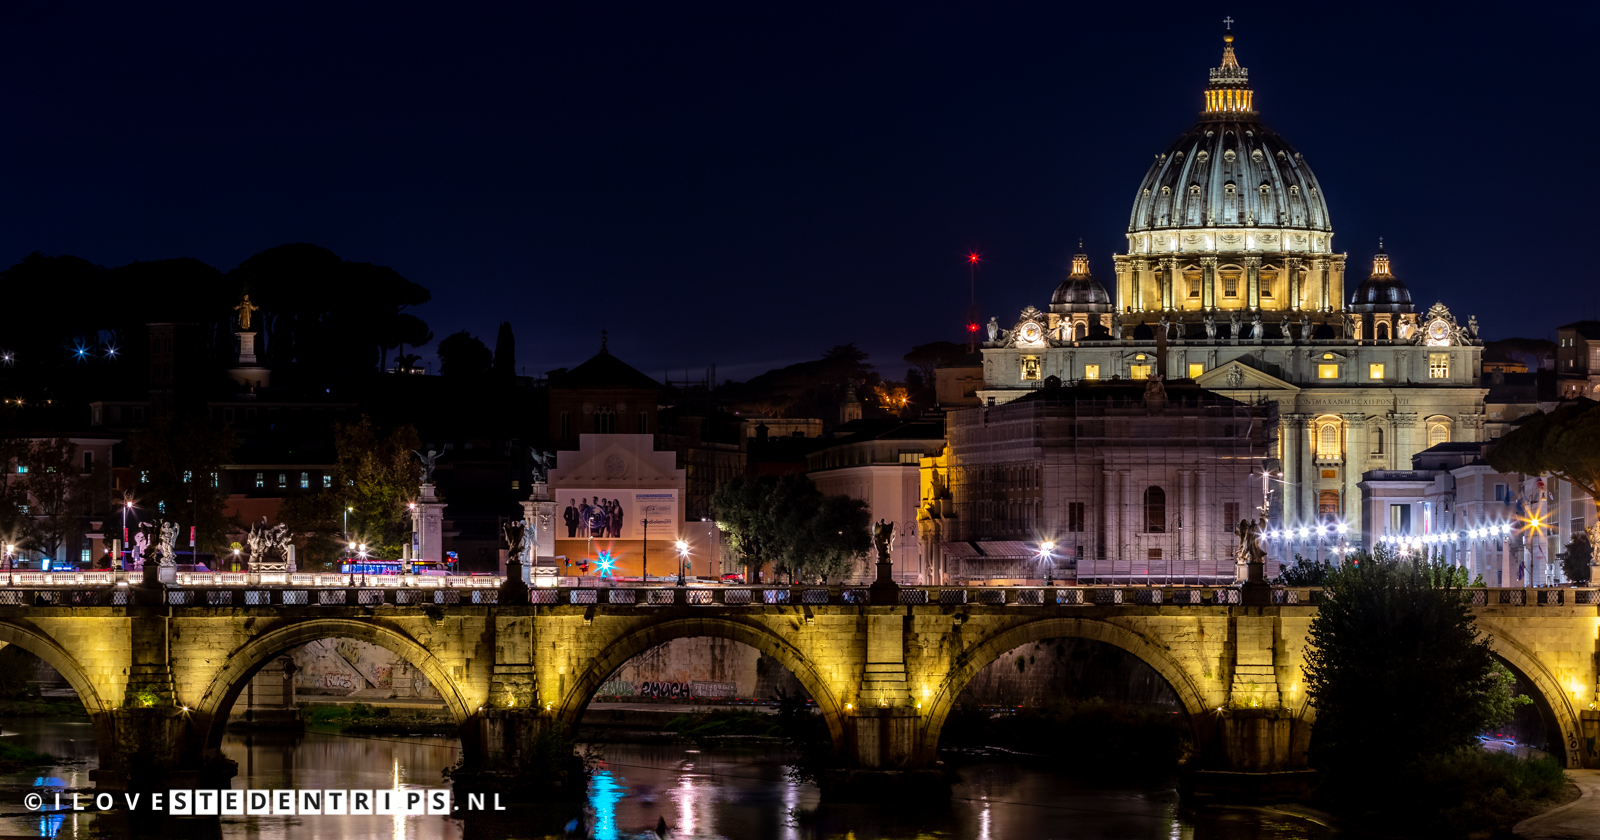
[(371, 566)]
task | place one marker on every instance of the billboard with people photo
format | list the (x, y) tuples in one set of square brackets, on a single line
[(611, 514)]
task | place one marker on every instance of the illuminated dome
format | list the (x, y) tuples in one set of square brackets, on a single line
[(1230, 170), (1080, 292), (1382, 292)]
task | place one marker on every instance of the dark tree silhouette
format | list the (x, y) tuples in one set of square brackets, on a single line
[(461, 354), (505, 352)]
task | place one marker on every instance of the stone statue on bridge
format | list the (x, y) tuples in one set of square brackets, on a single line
[(883, 539), (522, 542), (542, 460), (262, 541)]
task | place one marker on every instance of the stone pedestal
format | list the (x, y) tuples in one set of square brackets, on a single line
[(430, 526), (884, 592), (539, 511), (1262, 740), (884, 737), (248, 373), (157, 750), (501, 756)]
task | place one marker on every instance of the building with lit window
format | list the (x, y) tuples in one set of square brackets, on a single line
[(1578, 360), (1127, 483), (1231, 281)]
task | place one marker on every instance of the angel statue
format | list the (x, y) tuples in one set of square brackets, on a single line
[(520, 541), (168, 553), (1257, 332), (541, 463), (1233, 324), (428, 462), (883, 539), (1211, 326), (994, 328)]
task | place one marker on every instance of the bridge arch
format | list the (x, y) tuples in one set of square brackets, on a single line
[(57, 657), (247, 659), (1527, 665), (943, 699), (763, 639)]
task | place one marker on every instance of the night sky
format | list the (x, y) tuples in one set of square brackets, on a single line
[(748, 184)]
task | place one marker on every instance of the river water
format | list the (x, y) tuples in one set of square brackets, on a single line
[(737, 793)]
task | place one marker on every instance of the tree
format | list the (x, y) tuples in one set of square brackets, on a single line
[(788, 522), (925, 358), (832, 539), (505, 352), (461, 354), (1576, 559), (1396, 659), (313, 520), (401, 331), (54, 494), (178, 461), (1564, 443), (377, 475)]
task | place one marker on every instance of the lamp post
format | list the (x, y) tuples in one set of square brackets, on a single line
[(644, 574), (1049, 564), (347, 511), (127, 505), (683, 561)]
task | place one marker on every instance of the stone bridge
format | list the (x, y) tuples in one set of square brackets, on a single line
[(158, 668)]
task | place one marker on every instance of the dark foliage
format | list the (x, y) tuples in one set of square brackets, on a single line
[(1576, 558), (1079, 736), (461, 354)]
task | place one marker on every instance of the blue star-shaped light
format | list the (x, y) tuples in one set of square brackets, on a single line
[(605, 562)]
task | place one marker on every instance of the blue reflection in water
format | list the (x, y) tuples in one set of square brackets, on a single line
[(604, 794), (48, 781), (49, 824)]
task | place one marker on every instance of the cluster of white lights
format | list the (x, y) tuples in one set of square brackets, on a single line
[(1414, 543), (1307, 532)]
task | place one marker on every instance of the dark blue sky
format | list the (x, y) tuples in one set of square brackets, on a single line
[(747, 184)]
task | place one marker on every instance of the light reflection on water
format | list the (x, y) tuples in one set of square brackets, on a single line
[(735, 793)]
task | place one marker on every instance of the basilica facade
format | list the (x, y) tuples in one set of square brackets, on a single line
[(1231, 281)]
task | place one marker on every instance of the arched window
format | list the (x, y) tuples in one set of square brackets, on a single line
[(1383, 331), (1080, 331), (1155, 510), (1377, 441), (1328, 441), (605, 420), (1438, 433)]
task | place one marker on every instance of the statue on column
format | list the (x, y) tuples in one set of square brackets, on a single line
[(1257, 332), (541, 463), (428, 462), (1233, 324), (883, 539), (1211, 326), (994, 328), (244, 309)]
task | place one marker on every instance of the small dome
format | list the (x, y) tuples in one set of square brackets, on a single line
[(1080, 292), (1382, 292)]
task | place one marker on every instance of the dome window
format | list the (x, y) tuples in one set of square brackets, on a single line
[(1194, 189), (1166, 191), (1179, 155), (1313, 192), (1282, 156), (1257, 156), (1229, 156), (1265, 188), (1201, 156), (1229, 188), (1294, 189)]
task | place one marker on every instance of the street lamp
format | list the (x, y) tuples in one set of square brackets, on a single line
[(347, 511), (1049, 565), (683, 561)]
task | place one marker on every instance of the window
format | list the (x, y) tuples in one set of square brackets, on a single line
[(1382, 331), (566, 424), (1194, 288), (188, 476), (909, 457), (1139, 371), (1438, 365), (1327, 371), (1153, 554), (1230, 516), (1266, 290), (1230, 286), (644, 423), (605, 420), (1500, 493), (327, 481), (138, 414), (88, 462), (1399, 519), (283, 480), (1091, 371), (1195, 369), (1328, 503), (1155, 510), (1080, 331), (1075, 516), (1375, 371), (216, 480), (1438, 433), (305, 481), (1377, 441), (1030, 367), (261, 480), (1328, 441)]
